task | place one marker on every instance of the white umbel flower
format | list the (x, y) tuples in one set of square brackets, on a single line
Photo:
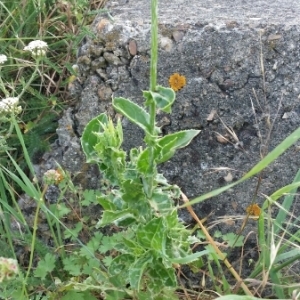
[(10, 105), (3, 59), (37, 48)]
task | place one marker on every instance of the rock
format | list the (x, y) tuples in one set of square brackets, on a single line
[(105, 93), (132, 47), (112, 59), (98, 63), (178, 35)]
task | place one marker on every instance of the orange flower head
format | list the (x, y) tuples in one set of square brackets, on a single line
[(253, 210), (177, 81)]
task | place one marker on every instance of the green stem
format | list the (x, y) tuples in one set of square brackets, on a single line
[(9, 131), (154, 46), (6, 220), (32, 77), (57, 240), (153, 79), (58, 243), (35, 226), (2, 85), (22, 142)]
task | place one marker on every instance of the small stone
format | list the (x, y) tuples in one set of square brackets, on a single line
[(165, 121), (211, 116), (104, 93), (113, 84), (102, 74), (182, 27), (231, 24), (290, 115), (124, 61), (228, 83), (132, 47), (234, 205), (85, 60), (166, 43), (102, 24), (118, 52), (98, 63), (228, 177), (221, 139), (112, 59), (227, 69), (96, 50), (110, 46), (273, 37), (178, 35)]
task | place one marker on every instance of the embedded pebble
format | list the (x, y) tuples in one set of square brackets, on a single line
[(105, 93), (112, 59), (102, 74), (98, 63), (96, 50), (166, 43), (178, 35), (132, 47), (84, 60)]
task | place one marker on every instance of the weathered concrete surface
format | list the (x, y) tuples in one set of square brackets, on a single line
[(282, 12), (240, 58), (219, 47)]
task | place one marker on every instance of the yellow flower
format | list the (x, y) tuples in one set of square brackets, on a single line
[(177, 81), (253, 210)]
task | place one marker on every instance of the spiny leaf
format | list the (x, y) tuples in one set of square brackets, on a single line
[(116, 217), (168, 144), (133, 112), (89, 140), (163, 98), (152, 235), (137, 269)]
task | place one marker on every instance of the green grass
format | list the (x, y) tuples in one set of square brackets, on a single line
[(61, 24)]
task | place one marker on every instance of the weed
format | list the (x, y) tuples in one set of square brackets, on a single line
[(139, 244)]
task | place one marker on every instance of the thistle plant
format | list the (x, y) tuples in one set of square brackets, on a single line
[(138, 199)]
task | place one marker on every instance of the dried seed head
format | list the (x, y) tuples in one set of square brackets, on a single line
[(177, 81)]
